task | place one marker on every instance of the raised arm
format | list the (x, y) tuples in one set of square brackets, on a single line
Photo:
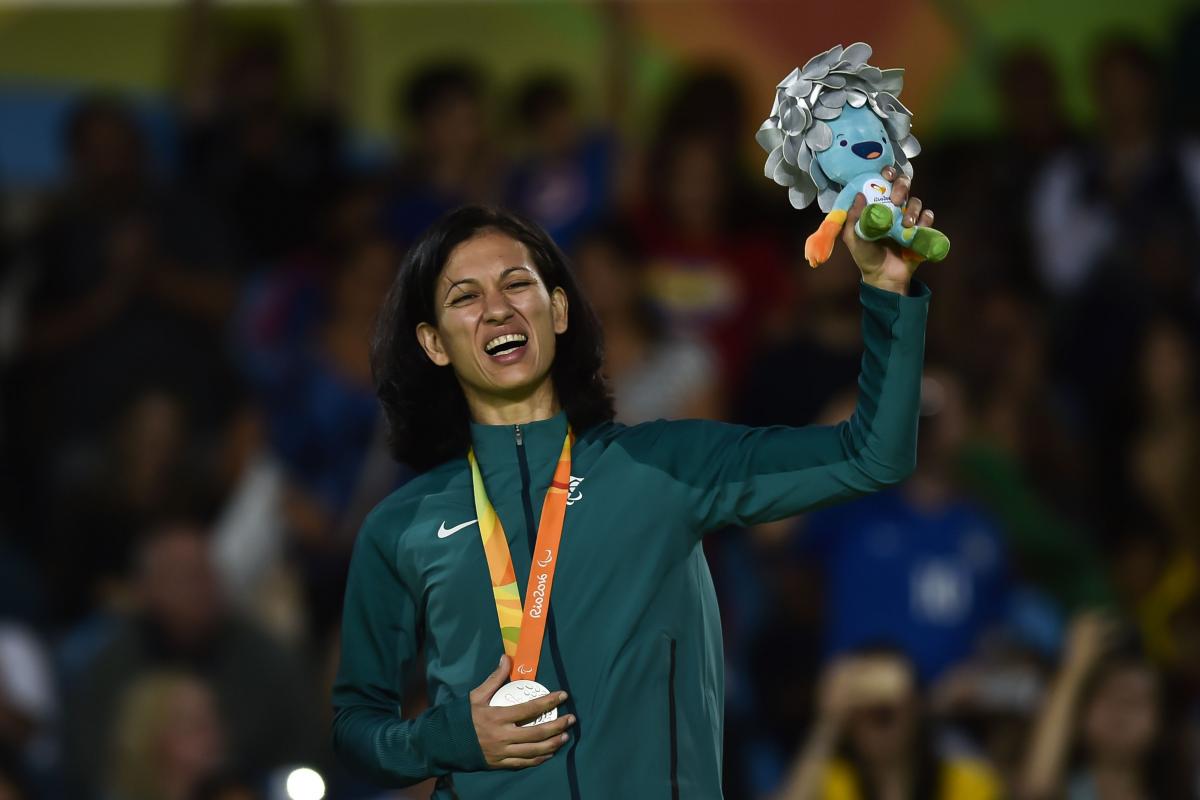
[(1044, 772), (379, 643), (736, 474)]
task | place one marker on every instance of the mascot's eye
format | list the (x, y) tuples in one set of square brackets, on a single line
[(842, 143)]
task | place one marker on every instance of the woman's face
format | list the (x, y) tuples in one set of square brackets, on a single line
[(191, 742), (496, 319), (883, 721), (1120, 722)]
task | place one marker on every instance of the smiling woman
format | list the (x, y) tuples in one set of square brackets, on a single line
[(489, 294), (496, 310), (487, 359)]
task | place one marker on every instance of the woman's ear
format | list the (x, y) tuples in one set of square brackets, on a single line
[(558, 309), (431, 343)]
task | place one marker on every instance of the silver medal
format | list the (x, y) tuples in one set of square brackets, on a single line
[(522, 691)]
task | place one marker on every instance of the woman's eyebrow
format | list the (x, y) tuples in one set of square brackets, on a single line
[(454, 284), (503, 275)]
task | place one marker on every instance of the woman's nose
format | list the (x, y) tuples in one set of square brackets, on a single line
[(497, 308)]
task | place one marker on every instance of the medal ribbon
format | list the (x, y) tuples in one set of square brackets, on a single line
[(522, 630)]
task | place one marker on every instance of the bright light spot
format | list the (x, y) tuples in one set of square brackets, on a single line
[(305, 784)]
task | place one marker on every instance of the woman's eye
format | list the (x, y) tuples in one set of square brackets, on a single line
[(461, 299), (520, 284)]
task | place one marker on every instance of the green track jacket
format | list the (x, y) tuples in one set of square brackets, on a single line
[(633, 634)]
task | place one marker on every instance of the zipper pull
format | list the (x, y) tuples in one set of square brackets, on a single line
[(519, 437)]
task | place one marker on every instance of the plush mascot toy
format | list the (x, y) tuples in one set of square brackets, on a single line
[(836, 122)]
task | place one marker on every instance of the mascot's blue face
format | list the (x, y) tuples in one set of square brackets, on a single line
[(860, 144)]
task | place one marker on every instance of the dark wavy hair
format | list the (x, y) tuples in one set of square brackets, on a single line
[(427, 415)]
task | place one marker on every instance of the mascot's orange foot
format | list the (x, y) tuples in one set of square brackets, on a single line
[(818, 248)]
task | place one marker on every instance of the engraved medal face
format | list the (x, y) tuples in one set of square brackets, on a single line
[(877, 190), (516, 692)]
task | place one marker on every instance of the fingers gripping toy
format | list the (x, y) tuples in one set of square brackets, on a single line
[(836, 122)]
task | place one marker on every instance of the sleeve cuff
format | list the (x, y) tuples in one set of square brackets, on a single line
[(452, 729), (900, 314)]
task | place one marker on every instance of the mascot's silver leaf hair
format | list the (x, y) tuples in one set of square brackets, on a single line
[(817, 92)]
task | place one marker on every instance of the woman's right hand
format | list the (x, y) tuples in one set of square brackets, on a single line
[(505, 744)]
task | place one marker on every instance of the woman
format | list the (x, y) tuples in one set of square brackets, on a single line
[(169, 739), (1102, 734), (487, 360), (871, 741)]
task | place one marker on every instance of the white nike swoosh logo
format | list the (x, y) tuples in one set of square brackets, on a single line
[(443, 531)]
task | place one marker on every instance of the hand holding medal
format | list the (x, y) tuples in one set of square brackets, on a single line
[(510, 735)]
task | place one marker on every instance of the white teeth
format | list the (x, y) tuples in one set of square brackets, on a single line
[(505, 339)]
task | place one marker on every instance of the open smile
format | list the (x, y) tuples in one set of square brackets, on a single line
[(506, 347)]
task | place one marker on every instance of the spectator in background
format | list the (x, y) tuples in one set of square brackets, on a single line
[(987, 705), (449, 159), (262, 692), (1103, 733), (872, 740), (653, 374), (267, 158), (570, 174), (1164, 455), (147, 469), (125, 274), (322, 417), (167, 739), (1022, 459), (1097, 204), (918, 564), (715, 271), (1115, 223), (1163, 471), (1033, 129), (565, 181), (791, 380)]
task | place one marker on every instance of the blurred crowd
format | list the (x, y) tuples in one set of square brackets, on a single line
[(190, 437)]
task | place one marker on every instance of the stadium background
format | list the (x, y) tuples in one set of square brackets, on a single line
[(189, 439)]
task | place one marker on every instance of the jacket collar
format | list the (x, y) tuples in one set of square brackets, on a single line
[(497, 444)]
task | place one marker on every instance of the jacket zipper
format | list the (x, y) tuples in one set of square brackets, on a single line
[(551, 628), (526, 501), (673, 725)]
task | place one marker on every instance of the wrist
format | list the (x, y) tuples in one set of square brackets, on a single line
[(888, 284)]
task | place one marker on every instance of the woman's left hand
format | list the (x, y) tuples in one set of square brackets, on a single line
[(885, 263)]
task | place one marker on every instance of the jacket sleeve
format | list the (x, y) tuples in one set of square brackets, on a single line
[(735, 474), (378, 645)]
